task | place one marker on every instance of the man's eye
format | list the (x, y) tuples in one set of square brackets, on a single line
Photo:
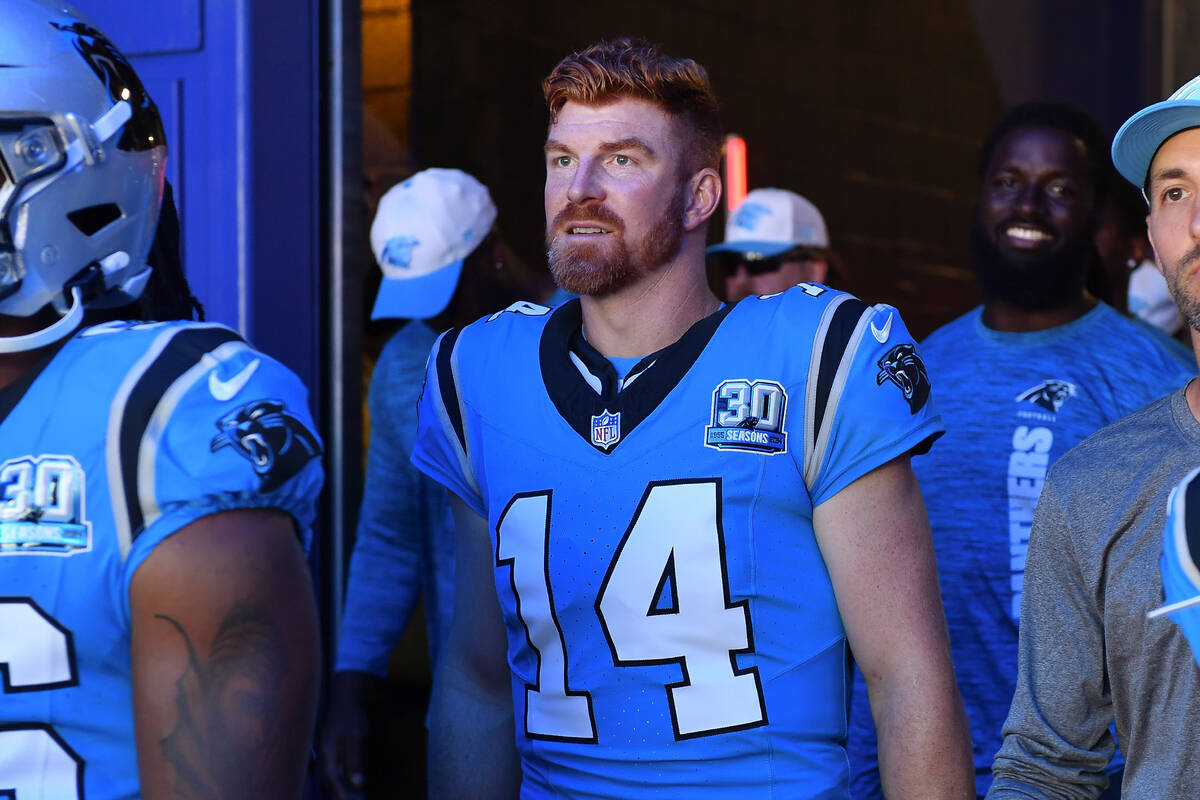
[(1059, 190), (1004, 182), (562, 161), (622, 160), (1173, 195)]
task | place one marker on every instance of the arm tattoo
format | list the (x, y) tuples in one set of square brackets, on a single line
[(231, 739)]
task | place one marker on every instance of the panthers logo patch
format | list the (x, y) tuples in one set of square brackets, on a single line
[(275, 443), (903, 367), (1049, 394)]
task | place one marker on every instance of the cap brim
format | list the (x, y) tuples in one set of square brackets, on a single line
[(1142, 134), (417, 298), (752, 248)]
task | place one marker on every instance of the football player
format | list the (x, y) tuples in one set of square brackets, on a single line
[(677, 518), (157, 479)]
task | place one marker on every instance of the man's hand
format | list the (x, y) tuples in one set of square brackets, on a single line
[(343, 743)]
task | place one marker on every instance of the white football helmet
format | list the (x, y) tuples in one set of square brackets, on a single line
[(82, 153)]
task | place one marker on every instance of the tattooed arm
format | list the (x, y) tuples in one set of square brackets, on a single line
[(225, 660)]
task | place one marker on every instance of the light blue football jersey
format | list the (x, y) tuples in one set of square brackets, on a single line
[(672, 629), (127, 434), (1181, 546)]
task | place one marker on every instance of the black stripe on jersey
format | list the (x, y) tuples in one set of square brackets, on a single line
[(447, 385), (180, 354), (833, 350), (577, 402)]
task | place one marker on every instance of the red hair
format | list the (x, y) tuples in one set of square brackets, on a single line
[(635, 68)]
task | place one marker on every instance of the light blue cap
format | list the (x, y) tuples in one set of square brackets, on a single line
[(1142, 134)]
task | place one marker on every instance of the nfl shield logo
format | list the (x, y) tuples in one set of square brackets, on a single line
[(606, 429)]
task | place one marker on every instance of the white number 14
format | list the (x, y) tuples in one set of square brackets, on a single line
[(675, 537)]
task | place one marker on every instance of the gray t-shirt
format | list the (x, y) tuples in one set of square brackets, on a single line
[(1088, 655)]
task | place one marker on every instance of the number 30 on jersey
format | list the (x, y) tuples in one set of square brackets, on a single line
[(675, 536)]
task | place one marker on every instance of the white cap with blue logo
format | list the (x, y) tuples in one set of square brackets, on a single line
[(422, 231), (1139, 138), (770, 222)]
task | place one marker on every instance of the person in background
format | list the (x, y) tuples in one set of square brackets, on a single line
[(158, 476), (773, 241), (444, 264), (1131, 282), (1090, 659), (1023, 378)]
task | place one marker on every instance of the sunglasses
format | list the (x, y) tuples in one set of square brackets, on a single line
[(728, 263)]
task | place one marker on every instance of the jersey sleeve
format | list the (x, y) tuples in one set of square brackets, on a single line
[(203, 424), (868, 396), (442, 448)]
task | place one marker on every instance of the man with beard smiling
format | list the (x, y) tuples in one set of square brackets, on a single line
[(1023, 378), (1090, 658), (687, 511)]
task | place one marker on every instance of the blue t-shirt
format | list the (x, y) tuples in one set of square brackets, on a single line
[(1013, 403), (672, 629), (127, 435)]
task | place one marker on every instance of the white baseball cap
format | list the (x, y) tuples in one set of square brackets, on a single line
[(1138, 140), (422, 231), (770, 222)]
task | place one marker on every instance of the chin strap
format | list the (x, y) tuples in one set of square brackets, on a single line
[(61, 329)]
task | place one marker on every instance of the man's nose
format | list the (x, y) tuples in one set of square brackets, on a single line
[(1029, 200), (586, 185)]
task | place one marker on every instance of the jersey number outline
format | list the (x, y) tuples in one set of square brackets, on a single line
[(36, 654), (675, 539)]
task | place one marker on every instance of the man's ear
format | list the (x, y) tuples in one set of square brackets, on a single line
[(703, 196)]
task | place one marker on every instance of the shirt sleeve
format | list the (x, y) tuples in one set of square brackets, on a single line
[(1057, 741), (397, 516), (868, 399), (442, 448), (210, 426)]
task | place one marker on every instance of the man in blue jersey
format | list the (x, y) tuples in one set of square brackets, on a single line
[(676, 519), (1029, 374), (1090, 658), (158, 633)]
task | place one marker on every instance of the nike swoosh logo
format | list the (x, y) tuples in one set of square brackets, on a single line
[(881, 334), (224, 390)]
